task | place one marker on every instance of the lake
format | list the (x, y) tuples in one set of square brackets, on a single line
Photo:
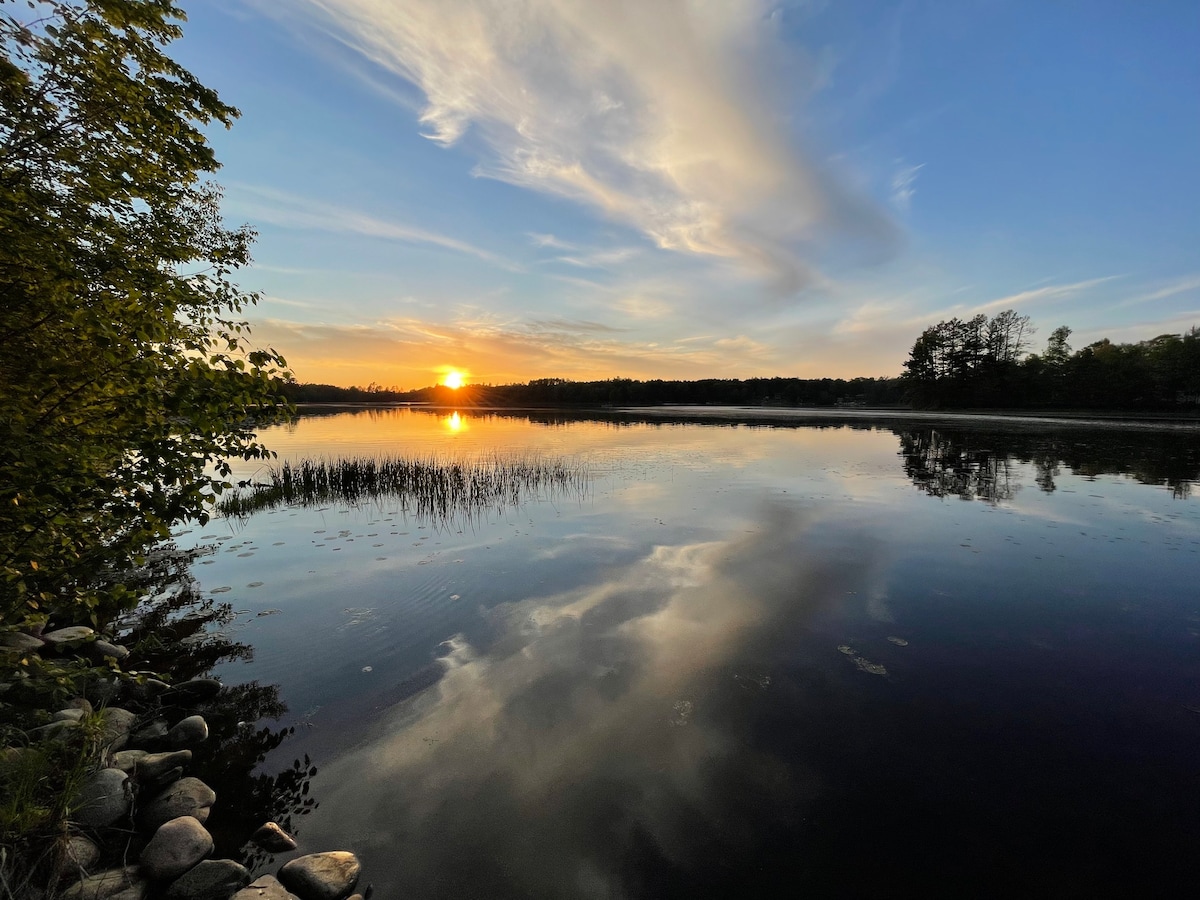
[(759, 651)]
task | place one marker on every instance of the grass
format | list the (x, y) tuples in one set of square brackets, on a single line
[(435, 489)]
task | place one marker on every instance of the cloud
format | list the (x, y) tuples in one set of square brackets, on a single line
[(1182, 286), (291, 211), (1052, 292), (902, 186), (408, 351), (658, 115), (611, 721)]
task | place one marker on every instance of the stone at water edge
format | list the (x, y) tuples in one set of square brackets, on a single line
[(213, 879), (177, 845), (62, 636), (127, 760), (321, 876), (265, 888), (104, 799), (20, 642), (272, 838), (77, 856), (186, 797), (67, 715), (101, 650), (114, 884), (115, 725), (189, 731), (152, 735), (154, 766)]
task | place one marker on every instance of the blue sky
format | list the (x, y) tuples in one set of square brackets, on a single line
[(717, 188)]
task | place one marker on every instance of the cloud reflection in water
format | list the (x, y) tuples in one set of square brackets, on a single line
[(606, 740)]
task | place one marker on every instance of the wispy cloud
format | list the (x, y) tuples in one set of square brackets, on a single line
[(292, 211), (1182, 286), (1049, 293), (655, 114), (408, 351), (902, 185)]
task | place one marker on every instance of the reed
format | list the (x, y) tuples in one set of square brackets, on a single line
[(433, 488)]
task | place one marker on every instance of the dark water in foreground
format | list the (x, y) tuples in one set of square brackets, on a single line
[(844, 655)]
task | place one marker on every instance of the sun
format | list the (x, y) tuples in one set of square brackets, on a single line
[(454, 379)]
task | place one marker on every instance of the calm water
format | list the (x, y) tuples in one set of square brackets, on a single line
[(841, 654)]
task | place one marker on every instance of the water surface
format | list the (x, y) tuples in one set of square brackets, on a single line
[(836, 653)]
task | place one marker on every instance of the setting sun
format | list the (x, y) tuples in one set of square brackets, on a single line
[(453, 379)]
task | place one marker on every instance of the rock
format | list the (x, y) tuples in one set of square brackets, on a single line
[(101, 650), (213, 879), (150, 736), (186, 797), (64, 636), (51, 731), (321, 876), (78, 855), (115, 725), (104, 692), (177, 845), (67, 715), (170, 776), (272, 838), (155, 767), (20, 642), (104, 799), (80, 703), (189, 731), (188, 693), (265, 888), (127, 760), (147, 689), (114, 884)]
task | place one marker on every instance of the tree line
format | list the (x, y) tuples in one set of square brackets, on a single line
[(983, 363), (550, 392)]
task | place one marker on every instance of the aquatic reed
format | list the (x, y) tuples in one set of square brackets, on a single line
[(439, 489)]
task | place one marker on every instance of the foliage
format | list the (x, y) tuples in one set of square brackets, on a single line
[(977, 363), (126, 381)]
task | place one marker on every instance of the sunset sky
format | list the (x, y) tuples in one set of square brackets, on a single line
[(584, 189)]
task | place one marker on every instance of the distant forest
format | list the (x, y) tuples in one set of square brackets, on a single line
[(976, 363)]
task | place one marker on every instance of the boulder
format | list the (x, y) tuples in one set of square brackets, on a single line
[(152, 735), (101, 650), (272, 838), (321, 876), (127, 760), (80, 703), (20, 642), (186, 797), (265, 888), (76, 857), (188, 732), (177, 845), (115, 725), (103, 800), (155, 768), (213, 879), (67, 715), (51, 731), (114, 884), (70, 635)]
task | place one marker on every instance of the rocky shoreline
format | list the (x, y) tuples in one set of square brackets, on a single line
[(135, 827)]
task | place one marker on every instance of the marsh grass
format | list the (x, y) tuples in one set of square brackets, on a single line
[(431, 488)]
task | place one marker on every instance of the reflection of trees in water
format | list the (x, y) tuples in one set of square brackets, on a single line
[(184, 635), (978, 464), (944, 467)]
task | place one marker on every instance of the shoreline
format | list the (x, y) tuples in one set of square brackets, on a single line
[(1057, 417)]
